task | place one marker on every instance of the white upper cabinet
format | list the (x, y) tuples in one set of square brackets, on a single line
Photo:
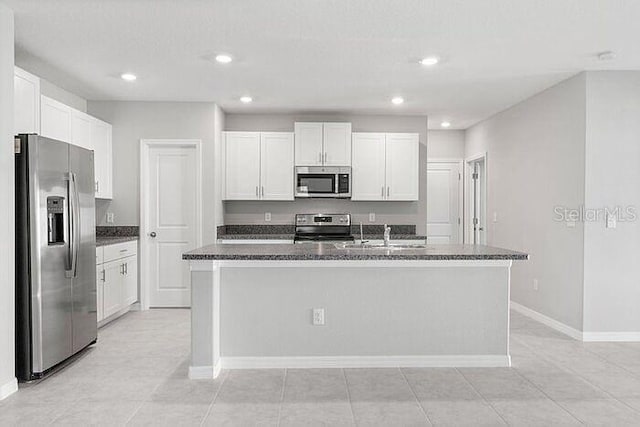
[(322, 144), (258, 165), (368, 167), (402, 166), (276, 166), (81, 128), (55, 119), (242, 165), (308, 142), (337, 144), (26, 102), (101, 135), (385, 166)]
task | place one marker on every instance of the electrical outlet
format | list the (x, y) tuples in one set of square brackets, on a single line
[(535, 284), (318, 316), (372, 217), (267, 216), (110, 217)]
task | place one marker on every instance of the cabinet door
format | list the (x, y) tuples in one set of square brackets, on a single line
[(101, 133), (337, 144), (81, 129), (308, 143), (276, 166), (242, 165), (26, 102), (368, 169), (113, 295), (100, 292), (130, 280), (55, 119), (402, 165)]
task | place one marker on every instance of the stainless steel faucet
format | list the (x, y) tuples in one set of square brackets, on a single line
[(387, 235), (362, 241)]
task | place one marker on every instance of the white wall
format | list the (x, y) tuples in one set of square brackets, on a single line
[(61, 95), (133, 121), (219, 123), (252, 212), (445, 144), (612, 270), (536, 161), (8, 382)]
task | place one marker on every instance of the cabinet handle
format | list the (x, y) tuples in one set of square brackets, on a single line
[(320, 157), (263, 191), (257, 194), (126, 269), (325, 157), (382, 191), (97, 186), (387, 192), (104, 276)]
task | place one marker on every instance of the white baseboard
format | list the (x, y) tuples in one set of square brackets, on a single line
[(611, 336), (8, 389), (205, 372), (548, 321), (366, 362)]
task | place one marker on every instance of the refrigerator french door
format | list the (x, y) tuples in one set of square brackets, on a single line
[(55, 253)]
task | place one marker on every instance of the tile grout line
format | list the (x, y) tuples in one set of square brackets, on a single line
[(346, 384), (284, 386), (465, 379), (415, 396), (206, 415)]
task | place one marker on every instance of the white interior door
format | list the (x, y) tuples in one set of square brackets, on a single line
[(172, 208), (443, 203), (476, 201)]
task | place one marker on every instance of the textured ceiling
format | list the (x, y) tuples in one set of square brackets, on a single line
[(325, 55)]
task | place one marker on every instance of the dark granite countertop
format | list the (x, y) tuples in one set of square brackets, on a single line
[(290, 237), (112, 240), (328, 251)]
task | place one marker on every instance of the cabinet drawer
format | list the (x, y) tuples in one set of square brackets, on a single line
[(99, 255), (121, 250)]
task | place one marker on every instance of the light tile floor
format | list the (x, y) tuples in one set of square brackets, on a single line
[(136, 375)]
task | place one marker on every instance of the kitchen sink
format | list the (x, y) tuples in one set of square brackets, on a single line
[(378, 246)]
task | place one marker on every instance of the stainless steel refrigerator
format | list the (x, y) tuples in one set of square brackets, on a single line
[(55, 253)]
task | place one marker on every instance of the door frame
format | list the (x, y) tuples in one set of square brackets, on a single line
[(468, 226), (145, 147), (461, 210)]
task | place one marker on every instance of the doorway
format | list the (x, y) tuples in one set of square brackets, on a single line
[(444, 202), (170, 219), (476, 200)]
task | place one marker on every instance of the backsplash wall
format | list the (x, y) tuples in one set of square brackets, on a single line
[(253, 212)]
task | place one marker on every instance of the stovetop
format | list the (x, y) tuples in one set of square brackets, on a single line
[(323, 228)]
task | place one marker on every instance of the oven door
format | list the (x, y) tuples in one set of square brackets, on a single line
[(310, 184)]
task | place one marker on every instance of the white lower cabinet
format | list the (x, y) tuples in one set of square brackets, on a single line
[(117, 279)]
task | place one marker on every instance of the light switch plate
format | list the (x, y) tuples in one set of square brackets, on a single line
[(318, 316), (110, 217), (372, 217), (267, 216)]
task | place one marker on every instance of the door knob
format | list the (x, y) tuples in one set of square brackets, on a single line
[(153, 234)]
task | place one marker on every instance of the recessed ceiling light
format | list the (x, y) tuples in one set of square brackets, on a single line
[(128, 77), (429, 60), (445, 124), (246, 99), (397, 100), (606, 56), (223, 58)]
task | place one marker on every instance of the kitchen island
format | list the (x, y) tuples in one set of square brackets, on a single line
[(439, 305)]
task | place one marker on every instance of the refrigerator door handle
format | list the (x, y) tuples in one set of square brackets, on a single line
[(74, 226)]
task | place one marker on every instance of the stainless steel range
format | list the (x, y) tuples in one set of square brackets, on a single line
[(323, 228)]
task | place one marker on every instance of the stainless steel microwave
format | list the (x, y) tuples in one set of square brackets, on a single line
[(321, 181)]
